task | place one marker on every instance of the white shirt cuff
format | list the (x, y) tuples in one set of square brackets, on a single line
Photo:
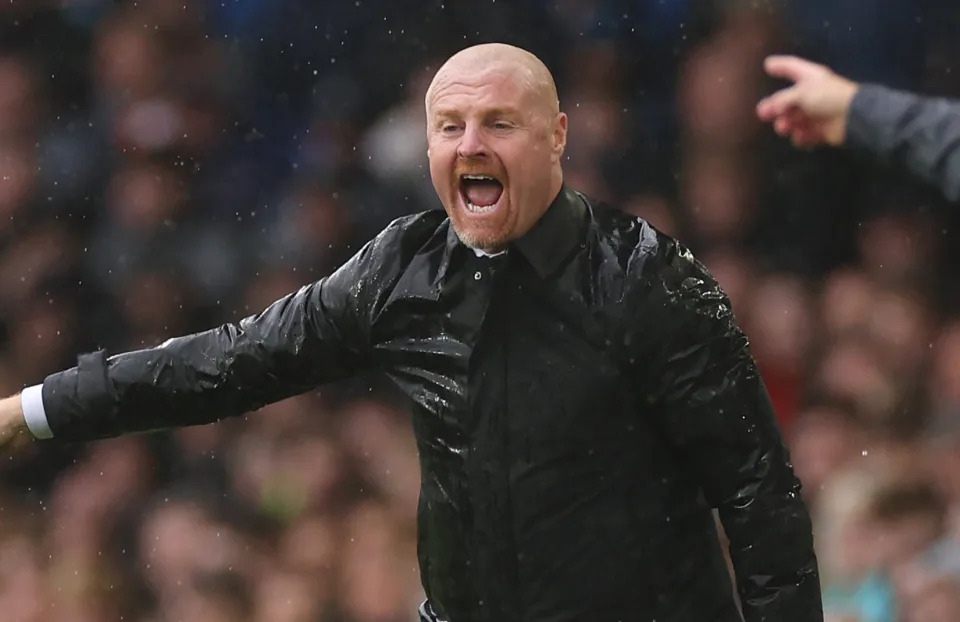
[(31, 401)]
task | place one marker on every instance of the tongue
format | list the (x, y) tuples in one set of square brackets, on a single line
[(482, 193)]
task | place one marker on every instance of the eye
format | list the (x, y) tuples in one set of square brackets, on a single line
[(501, 125), (449, 128)]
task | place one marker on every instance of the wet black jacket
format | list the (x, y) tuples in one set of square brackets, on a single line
[(580, 403), (919, 134)]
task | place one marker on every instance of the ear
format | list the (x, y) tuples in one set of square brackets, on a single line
[(559, 136)]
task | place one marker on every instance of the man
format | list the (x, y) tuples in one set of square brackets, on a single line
[(897, 128), (581, 394)]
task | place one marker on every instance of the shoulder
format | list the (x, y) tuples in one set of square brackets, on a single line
[(376, 268), (659, 271), (397, 244), (382, 258), (407, 234), (669, 300), (640, 248)]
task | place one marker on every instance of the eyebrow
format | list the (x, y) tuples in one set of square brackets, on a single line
[(445, 113), (503, 112)]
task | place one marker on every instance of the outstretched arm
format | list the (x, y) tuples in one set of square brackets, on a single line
[(309, 337), (905, 130)]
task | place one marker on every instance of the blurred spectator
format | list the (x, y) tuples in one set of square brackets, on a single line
[(854, 583), (781, 322), (825, 440), (20, 111)]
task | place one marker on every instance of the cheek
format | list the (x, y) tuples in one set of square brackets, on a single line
[(441, 167), (516, 162), (528, 166)]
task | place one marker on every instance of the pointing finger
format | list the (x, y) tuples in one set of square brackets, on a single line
[(790, 68)]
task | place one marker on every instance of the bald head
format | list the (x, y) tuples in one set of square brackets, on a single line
[(499, 58), (495, 140)]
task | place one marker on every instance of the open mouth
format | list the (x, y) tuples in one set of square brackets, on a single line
[(481, 193)]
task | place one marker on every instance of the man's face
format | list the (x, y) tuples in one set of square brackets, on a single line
[(494, 147)]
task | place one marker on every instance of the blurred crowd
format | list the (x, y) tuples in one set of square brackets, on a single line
[(166, 166)]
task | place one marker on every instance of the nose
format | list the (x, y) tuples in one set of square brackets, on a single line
[(471, 143)]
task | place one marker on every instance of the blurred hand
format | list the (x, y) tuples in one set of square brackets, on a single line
[(13, 428), (814, 110)]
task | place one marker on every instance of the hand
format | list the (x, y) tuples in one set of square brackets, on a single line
[(13, 428), (814, 110)]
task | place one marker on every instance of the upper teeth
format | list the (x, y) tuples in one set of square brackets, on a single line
[(479, 177)]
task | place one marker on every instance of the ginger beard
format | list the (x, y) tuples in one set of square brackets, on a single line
[(481, 211), (494, 149)]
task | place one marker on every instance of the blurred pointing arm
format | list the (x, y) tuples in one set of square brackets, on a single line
[(921, 134)]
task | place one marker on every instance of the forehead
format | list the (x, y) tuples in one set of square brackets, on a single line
[(462, 88)]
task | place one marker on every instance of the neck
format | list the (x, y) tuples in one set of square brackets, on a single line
[(556, 181)]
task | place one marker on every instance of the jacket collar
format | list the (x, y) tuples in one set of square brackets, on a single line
[(558, 232), (552, 238)]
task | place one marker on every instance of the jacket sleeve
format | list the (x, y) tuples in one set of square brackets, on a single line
[(920, 134), (716, 413), (311, 336)]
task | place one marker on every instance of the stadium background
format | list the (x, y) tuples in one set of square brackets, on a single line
[(169, 165)]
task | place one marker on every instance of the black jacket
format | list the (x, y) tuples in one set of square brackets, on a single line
[(909, 131), (579, 402)]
